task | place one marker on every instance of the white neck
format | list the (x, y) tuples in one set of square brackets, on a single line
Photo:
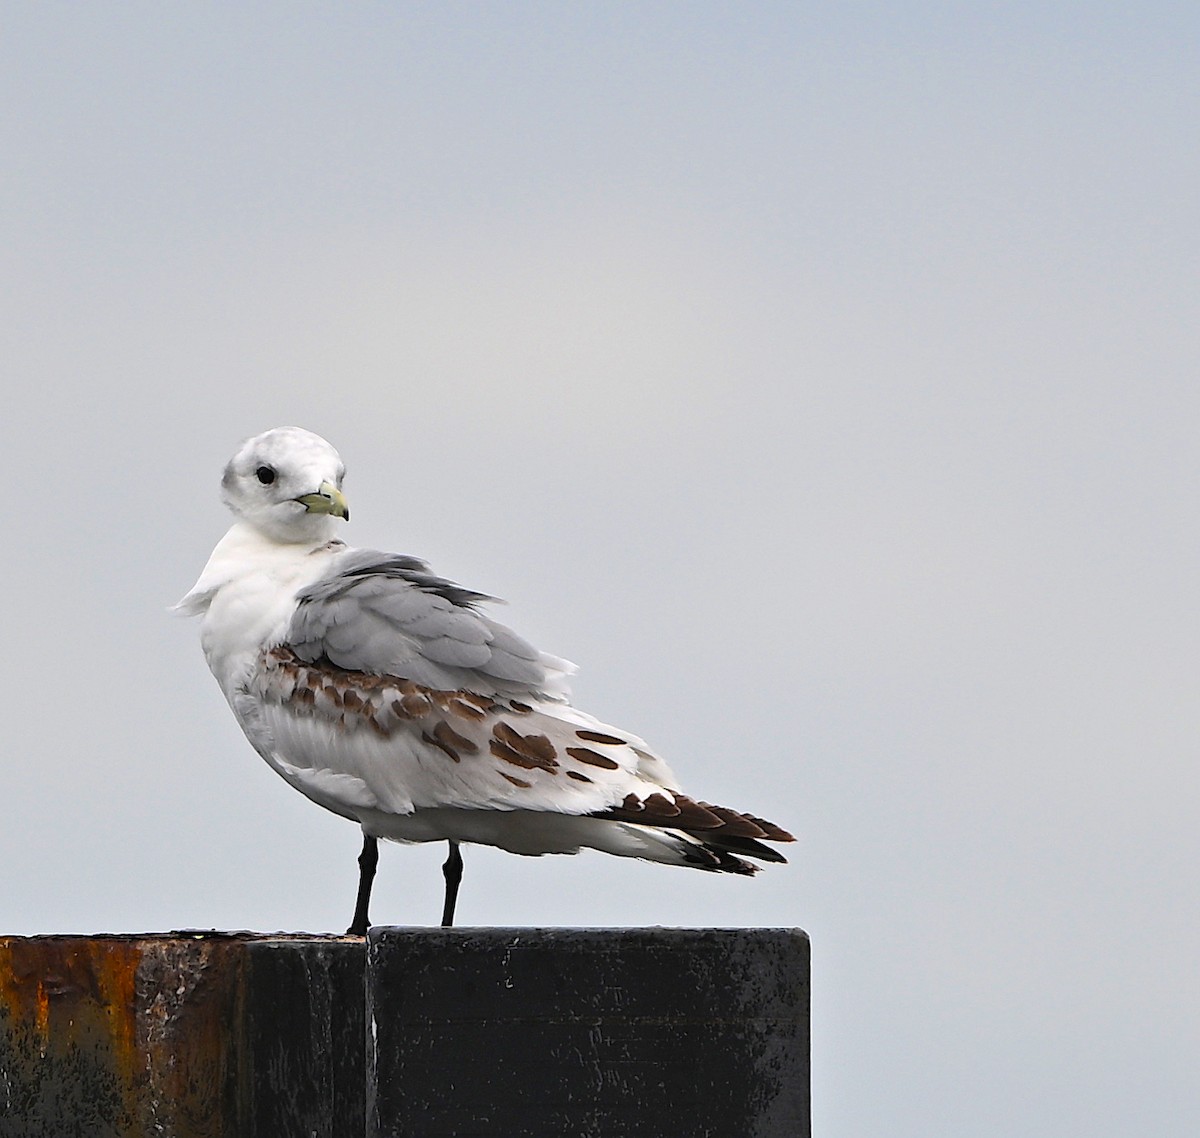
[(246, 595)]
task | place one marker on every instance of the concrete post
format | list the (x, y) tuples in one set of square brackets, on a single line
[(181, 1035), (421, 1032), (636, 1033)]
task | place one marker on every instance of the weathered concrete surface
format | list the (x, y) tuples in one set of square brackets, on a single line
[(592, 1033), (589, 1033), (193, 1035)]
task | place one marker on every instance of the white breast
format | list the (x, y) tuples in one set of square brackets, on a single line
[(247, 594)]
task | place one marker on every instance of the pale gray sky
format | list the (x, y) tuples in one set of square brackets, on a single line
[(824, 384)]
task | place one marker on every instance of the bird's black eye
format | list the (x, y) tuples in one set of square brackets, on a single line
[(266, 475)]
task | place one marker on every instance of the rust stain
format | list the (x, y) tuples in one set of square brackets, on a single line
[(70, 1001), (115, 972), (154, 1019), (42, 1006), (54, 981), (188, 995), (134, 1036)]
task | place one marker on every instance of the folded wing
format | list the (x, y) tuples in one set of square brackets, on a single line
[(393, 693)]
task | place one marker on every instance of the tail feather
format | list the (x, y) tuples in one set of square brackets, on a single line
[(716, 860), (716, 834), (748, 847)]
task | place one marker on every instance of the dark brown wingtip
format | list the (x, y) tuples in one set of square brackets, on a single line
[(700, 819), (771, 832)]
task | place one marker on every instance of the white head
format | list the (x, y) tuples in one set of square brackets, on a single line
[(287, 484)]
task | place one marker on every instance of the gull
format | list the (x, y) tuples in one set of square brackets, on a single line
[(387, 695)]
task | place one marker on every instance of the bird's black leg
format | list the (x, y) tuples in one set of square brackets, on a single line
[(367, 861), (452, 871)]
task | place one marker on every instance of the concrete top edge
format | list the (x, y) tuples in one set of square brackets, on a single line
[(189, 935), (552, 933), (379, 932)]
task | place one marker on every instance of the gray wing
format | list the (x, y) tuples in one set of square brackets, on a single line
[(389, 615)]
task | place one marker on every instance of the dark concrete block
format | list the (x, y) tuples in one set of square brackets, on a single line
[(181, 1035), (303, 1031), (635, 1033)]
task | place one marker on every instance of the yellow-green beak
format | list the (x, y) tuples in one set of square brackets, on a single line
[(327, 500)]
